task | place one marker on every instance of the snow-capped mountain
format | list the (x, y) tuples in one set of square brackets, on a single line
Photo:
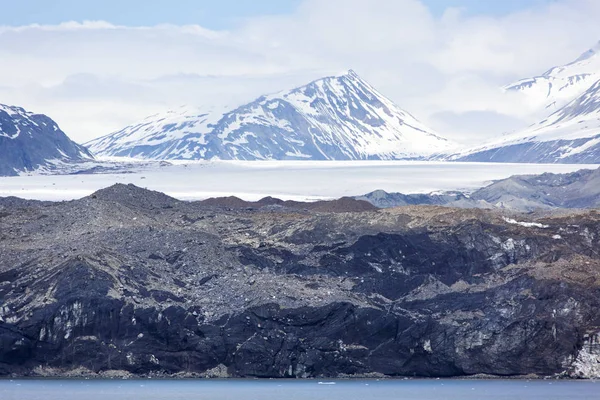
[(559, 85), (340, 117), (570, 135), (29, 141), (571, 131)]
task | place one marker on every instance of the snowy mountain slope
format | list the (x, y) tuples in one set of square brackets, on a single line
[(340, 117), (560, 85), (29, 141), (570, 135)]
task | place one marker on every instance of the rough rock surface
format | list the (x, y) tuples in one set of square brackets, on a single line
[(344, 204), (129, 281), (383, 199)]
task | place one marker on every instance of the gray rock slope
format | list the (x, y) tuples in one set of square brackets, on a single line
[(29, 141), (132, 282), (383, 199), (547, 191)]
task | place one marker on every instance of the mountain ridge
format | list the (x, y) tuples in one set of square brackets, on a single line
[(569, 135), (559, 85), (29, 141), (518, 193), (333, 118)]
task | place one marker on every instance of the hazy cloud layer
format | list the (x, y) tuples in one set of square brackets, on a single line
[(94, 77)]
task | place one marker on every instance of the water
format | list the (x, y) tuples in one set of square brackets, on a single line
[(297, 390)]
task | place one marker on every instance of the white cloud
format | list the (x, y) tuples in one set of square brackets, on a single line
[(95, 77)]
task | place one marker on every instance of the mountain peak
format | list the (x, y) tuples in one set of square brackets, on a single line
[(134, 196), (350, 74), (344, 77), (13, 110), (333, 118), (588, 54)]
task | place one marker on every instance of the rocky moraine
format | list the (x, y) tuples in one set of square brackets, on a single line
[(133, 282)]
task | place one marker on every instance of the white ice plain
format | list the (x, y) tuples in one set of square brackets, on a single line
[(288, 180)]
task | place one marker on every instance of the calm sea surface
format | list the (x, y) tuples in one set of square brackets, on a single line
[(297, 390)]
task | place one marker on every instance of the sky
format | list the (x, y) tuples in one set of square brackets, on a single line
[(222, 14), (96, 67)]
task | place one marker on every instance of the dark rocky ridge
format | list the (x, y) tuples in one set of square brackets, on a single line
[(133, 281), (344, 204)]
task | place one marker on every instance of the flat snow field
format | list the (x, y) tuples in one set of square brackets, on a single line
[(288, 180)]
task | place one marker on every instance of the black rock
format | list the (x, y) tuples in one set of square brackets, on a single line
[(87, 287)]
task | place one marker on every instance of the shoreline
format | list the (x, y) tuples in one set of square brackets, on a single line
[(366, 377)]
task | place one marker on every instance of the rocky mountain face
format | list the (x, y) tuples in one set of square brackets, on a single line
[(547, 191), (522, 193), (129, 281), (334, 118), (29, 141)]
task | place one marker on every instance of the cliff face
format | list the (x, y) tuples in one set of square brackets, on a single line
[(133, 281)]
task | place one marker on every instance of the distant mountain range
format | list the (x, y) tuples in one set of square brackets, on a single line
[(30, 141), (344, 118), (520, 193), (334, 118)]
